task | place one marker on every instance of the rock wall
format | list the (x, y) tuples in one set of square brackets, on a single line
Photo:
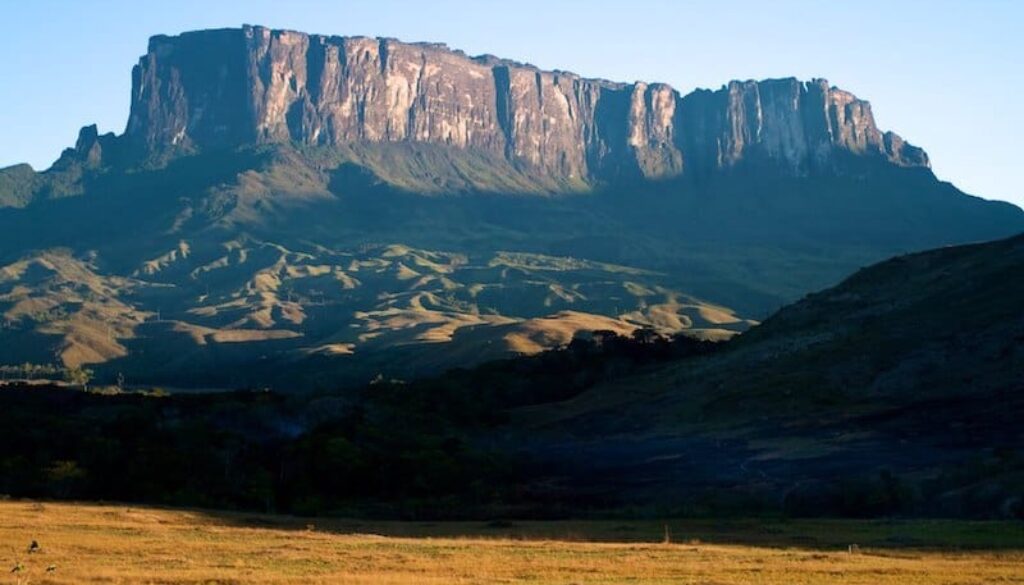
[(222, 88)]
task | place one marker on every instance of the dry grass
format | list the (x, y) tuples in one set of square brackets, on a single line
[(190, 299), (536, 335), (118, 544)]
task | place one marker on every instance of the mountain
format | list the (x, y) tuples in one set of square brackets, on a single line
[(905, 378), (298, 210), (563, 131), (281, 86)]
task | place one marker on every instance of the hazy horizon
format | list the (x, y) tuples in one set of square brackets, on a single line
[(916, 62)]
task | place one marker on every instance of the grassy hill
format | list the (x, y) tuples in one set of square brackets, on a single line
[(906, 377), (195, 314)]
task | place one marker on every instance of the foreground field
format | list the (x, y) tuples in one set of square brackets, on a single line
[(119, 544)]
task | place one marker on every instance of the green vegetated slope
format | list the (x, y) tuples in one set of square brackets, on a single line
[(238, 267)]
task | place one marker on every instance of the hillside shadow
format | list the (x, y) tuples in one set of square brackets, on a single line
[(809, 534)]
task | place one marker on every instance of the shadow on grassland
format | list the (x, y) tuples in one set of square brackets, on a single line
[(816, 534)]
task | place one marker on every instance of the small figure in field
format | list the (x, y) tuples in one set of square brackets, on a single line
[(854, 549), (51, 568), (17, 568), (34, 547)]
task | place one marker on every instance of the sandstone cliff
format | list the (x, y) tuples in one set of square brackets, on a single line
[(230, 87)]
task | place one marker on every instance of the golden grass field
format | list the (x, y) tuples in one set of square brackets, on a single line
[(87, 543)]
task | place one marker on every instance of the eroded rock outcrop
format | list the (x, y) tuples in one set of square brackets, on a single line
[(230, 87)]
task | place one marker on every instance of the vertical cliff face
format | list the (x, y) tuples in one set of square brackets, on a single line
[(801, 127), (192, 91), (223, 88)]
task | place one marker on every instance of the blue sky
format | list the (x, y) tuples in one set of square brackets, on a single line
[(947, 75)]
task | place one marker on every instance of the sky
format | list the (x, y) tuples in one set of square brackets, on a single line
[(946, 75)]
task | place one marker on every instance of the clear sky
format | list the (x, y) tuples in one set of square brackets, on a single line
[(946, 75)]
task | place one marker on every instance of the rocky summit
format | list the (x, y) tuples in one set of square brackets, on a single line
[(303, 211)]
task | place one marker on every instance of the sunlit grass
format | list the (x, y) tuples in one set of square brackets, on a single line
[(119, 544)]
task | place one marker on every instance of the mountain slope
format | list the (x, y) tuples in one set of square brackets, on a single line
[(910, 369)]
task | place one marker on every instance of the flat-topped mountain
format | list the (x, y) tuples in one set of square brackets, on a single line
[(264, 212), (227, 88)]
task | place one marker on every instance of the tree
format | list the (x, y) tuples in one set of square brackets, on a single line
[(79, 377), (645, 335)]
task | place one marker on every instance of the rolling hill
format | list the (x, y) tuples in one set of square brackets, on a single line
[(897, 392)]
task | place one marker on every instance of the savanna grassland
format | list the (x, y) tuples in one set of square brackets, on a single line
[(88, 543)]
